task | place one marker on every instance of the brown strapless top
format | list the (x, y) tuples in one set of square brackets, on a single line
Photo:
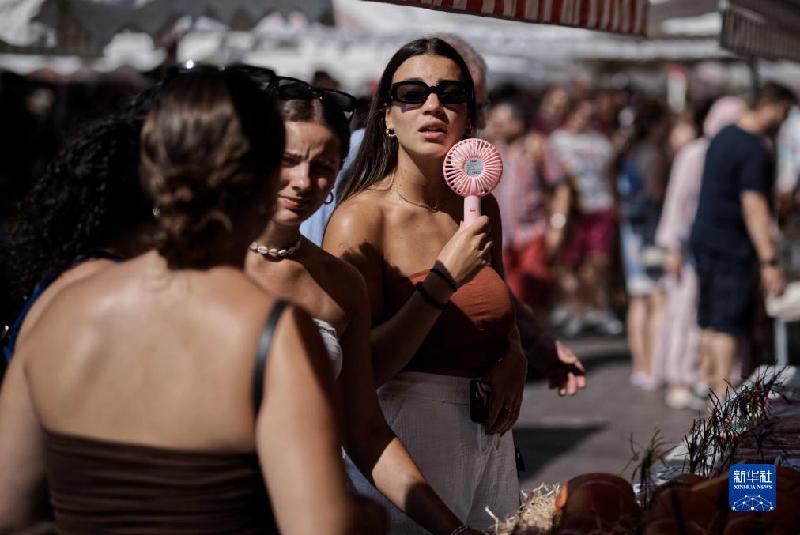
[(99, 486), (470, 335)]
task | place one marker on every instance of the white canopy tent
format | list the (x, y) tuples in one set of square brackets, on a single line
[(289, 35), (367, 33), (57, 23)]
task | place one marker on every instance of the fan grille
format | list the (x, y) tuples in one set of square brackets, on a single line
[(473, 167)]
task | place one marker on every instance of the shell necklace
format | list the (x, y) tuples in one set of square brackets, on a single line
[(276, 253)]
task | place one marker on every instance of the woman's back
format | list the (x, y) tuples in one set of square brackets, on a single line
[(144, 387), (156, 347)]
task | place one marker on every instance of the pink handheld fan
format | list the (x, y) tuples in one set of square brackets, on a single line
[(472, 168)]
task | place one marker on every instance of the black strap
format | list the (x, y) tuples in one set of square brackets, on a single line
[(264, 344), (428, 297)]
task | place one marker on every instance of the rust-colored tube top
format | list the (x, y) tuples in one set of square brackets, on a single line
[(470, 335), (99, 486)]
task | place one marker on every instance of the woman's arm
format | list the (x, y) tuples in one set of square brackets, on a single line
[(560, 207), (298, 438), (680, 205), (354, 234), (23, 493), (678, 211), (369, 441)]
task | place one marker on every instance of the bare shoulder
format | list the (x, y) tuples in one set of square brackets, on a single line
[(359, 219), (239, 297), (223, 297), (75, 292), (71, 276), (82, 270)]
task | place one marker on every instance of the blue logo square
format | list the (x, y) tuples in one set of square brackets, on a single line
[(751, 487)]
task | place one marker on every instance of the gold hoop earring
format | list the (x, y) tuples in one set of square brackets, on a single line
[(390, 132)]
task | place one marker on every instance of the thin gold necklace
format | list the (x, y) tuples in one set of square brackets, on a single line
[(429, 208)]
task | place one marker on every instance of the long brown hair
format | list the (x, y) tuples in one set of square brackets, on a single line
[(377, 156), (210, 146)]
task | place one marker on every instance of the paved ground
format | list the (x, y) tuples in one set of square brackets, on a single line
[(591, 432)]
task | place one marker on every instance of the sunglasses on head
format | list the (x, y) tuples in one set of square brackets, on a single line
[(294, 89), (449, 92), (283, 87), (264, 77)]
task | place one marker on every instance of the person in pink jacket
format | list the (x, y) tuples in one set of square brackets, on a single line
[(676, 356)]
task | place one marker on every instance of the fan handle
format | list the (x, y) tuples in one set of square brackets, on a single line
[(472, 208)]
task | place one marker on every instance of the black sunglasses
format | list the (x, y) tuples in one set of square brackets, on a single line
[(265, 78), (449, 92), (294, 89)]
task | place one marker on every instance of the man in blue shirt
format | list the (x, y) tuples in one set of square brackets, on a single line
[(731, 237)]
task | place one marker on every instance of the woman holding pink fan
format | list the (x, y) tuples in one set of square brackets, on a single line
[(442, 316)]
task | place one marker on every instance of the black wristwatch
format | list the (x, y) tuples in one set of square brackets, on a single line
[(770, 262)]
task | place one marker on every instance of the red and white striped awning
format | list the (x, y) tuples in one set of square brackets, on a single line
[(762, 28), (617, 16)]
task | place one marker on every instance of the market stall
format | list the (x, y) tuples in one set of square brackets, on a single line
[(686, 489)]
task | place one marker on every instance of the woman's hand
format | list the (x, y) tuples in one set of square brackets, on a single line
[(673, 263), (565, 371), (772, 280), (507, 381), (467, 252)]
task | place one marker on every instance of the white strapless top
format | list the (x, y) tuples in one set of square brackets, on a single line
[(331, 341)]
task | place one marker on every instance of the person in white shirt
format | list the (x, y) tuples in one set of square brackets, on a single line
[(586, 154)]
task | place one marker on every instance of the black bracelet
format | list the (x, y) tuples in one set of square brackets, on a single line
[(428, 297), (450, 282)]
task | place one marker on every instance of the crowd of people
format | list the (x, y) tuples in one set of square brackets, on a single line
[(244, 314), (595, 181)]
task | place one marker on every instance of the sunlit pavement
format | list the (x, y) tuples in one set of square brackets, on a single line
[(591, 432)]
